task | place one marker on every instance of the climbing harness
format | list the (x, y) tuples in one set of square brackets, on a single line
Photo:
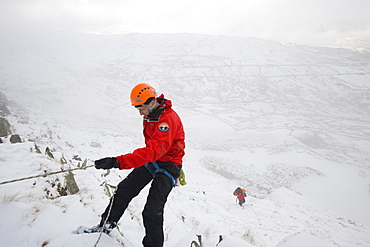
[(158, 169)]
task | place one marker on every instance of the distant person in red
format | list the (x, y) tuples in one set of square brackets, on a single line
[(240, 194)]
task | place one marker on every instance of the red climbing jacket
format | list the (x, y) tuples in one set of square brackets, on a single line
[(240, 193), (164, 139)]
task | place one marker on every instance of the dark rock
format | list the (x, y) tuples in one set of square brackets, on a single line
[(4, 127), (49, 153), (4, 111), (15, 139), (71, 183)]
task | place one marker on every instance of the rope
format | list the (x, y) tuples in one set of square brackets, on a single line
[(68, 170), (45, 174), (105, 221)]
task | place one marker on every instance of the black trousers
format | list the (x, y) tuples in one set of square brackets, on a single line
[(153, 210)]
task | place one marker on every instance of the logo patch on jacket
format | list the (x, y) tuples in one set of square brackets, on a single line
[(163, 127)]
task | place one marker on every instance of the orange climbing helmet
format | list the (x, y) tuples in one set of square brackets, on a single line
[(141, 93)]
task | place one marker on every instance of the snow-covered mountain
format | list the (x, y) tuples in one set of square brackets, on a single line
[(288, 123)]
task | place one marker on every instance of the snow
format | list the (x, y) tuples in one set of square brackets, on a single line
[(288, 123)]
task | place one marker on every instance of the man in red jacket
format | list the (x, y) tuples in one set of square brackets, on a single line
[(159, 161)]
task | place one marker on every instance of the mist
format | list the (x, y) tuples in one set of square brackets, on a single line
[(340, 23)]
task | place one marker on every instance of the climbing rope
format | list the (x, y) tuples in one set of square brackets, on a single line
[(63, 171), (45, 174), (105, 221)]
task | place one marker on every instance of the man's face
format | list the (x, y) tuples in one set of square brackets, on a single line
[(143, 110)]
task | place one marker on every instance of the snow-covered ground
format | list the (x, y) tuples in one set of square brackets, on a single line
[(288, 123)]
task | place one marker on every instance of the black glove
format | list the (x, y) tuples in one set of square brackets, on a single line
[(106, 163)]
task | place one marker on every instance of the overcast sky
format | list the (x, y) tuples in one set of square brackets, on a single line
[(307, 21)]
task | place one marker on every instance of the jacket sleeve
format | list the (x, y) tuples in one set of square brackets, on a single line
[(158, 145)]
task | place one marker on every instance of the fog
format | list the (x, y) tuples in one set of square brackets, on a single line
[(325, 23), (291, 124)]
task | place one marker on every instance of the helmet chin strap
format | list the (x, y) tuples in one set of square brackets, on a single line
[(151, 108)]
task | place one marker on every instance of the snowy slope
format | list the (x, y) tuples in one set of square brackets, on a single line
[(289, 123)]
